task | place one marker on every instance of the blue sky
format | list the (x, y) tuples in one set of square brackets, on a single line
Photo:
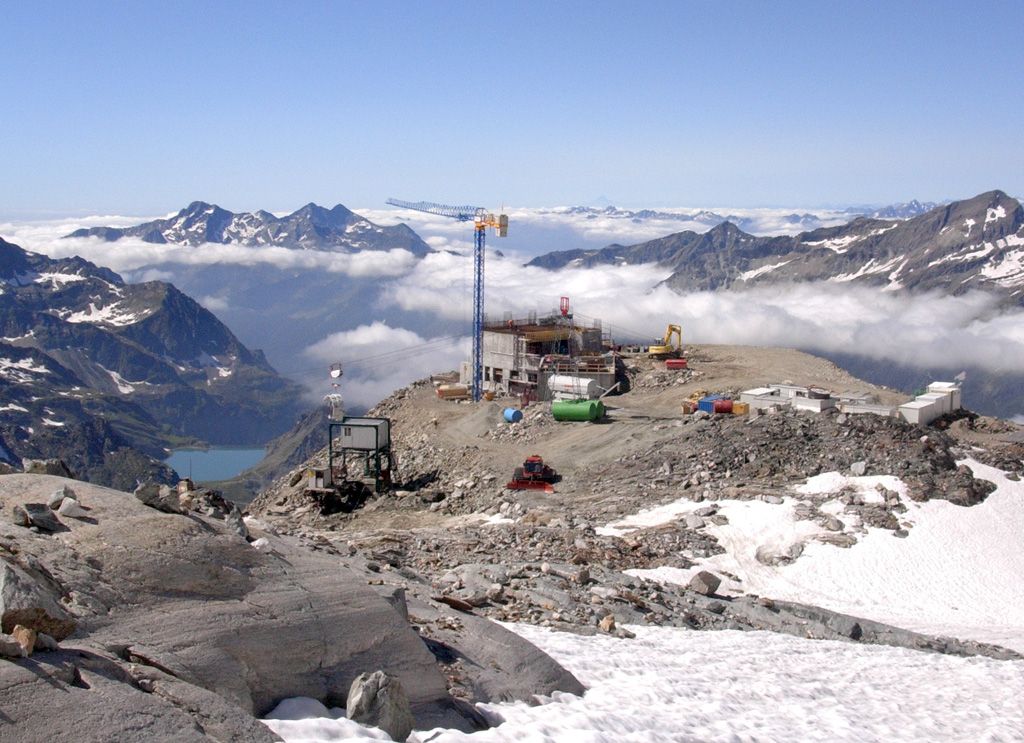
[(140, 107)]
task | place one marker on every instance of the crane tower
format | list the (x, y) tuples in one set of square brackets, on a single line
[(482, 219)]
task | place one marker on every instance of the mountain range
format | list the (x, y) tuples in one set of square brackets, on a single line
[(974, 243), (107, 374), (752, 222), (312, 227)]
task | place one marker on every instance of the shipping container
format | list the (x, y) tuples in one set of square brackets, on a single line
[(675, 364), (740, 408), (707, 404)]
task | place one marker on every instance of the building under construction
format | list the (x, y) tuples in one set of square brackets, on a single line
[(520, 356)]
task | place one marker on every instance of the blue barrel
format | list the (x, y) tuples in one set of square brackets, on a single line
[(513, 415)]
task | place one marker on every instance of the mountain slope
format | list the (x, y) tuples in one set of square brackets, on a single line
[(312, 227), (91, 366), (974, 243)]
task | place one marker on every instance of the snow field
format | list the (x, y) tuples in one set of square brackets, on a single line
[(672, 684), (960, 572)]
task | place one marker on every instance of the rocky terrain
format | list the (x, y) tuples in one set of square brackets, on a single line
[(106, 373), (453, 531), (168, 617), (168, 614)]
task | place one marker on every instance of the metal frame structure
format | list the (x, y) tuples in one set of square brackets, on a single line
[(376, 455), (482, 219)]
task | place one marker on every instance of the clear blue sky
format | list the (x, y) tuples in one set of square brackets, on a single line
[(140, 107)]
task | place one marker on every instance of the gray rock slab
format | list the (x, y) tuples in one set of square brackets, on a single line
[(29, 598), (184, 593), (82, 695)]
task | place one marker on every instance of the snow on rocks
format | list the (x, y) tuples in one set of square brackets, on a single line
[(951, 574)]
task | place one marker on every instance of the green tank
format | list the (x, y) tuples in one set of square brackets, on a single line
[(577, 410)]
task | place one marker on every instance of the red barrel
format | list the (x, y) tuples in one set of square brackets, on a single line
[(675, 364), (723, 406)]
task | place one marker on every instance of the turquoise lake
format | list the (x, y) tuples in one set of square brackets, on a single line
[(215, 463)]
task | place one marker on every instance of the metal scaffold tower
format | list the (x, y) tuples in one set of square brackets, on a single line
[(482, 219)]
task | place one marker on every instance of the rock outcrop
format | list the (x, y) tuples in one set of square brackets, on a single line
[(183, 630)]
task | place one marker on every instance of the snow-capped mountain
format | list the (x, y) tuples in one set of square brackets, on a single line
[(106, 373), (906, 210), (975, 243), (312, 227), (753, 222)]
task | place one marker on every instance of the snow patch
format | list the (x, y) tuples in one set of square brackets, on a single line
[(1008, 271), (952, 575), (755, 272), (869, 268), (57, 280), (112, 314), (21, 370), (973, 252), (123, 385), (991, 215)]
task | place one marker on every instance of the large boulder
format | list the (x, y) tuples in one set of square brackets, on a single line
[(378, 700), (29, 599)]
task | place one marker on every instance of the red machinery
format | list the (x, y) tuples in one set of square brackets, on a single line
[(533, 475)]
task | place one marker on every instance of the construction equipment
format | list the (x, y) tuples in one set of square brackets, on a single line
[(482, 219), (533, 475), (666, 349)]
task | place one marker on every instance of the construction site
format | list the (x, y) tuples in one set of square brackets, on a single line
[(534, 368)]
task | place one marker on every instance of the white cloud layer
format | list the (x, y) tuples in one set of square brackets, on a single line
[(377, 359), (133, 254), (540, 229), (916, 329), (919, 329)]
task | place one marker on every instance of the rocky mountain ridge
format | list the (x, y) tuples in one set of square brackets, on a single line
[(311, 227), (99, 371), (974, 243)]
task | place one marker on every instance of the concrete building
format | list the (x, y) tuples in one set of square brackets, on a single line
[(519, 356)]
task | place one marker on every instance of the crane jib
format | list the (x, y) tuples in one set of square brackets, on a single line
[(482, 219)]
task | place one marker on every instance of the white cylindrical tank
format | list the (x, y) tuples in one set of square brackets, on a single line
[(563, 384)]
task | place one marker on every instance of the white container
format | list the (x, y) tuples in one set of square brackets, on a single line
[(943, 400), (921, 412), (562, 385), (362, 434)]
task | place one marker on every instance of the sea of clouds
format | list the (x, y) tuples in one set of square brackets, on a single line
[(927, 329)]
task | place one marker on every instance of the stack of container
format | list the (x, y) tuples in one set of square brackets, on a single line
[(707, 404)]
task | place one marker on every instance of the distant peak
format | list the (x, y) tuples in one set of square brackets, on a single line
[(198, 206)]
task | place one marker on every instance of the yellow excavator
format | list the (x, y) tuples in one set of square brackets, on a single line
[(667, 349)]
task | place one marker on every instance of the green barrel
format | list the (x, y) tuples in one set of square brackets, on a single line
[(578, 410)]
